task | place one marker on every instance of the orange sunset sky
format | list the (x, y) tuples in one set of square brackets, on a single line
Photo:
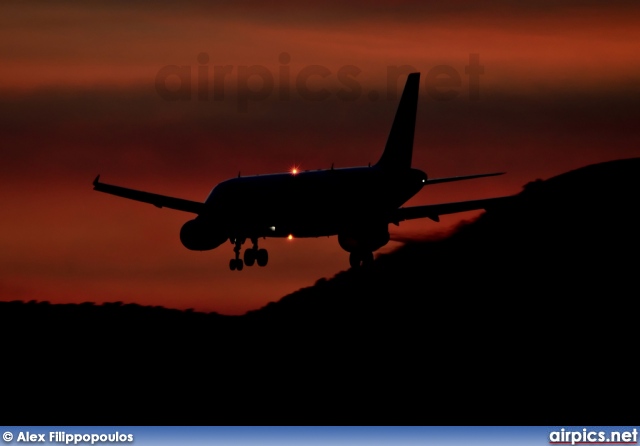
[(79, 97)]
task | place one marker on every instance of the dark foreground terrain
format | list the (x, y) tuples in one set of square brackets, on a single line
[(524, 316)]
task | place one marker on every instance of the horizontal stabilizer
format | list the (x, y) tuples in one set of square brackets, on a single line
[(161, 201)]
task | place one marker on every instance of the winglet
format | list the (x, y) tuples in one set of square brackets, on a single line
[(96, 181)]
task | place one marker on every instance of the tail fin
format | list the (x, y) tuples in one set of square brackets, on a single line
[(397, 153)]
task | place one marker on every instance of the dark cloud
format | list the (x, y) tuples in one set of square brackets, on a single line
[(135, 130), (158, 17), (288, 10)]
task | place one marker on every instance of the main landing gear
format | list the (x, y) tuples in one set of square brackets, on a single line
[(251, 255), (358, 259)]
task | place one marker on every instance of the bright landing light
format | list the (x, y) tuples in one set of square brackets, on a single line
[(290, 237)]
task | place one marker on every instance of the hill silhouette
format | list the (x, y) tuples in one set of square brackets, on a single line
[(523, 316)]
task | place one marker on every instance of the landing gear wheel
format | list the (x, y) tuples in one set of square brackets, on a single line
[(262, 257), (250, 256), (360, 259), (235, 264)]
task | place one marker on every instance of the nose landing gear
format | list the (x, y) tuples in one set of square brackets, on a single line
[(236, 264)]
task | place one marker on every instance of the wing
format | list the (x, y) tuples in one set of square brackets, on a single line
[(434, 211), (460, 178), (161, 201)]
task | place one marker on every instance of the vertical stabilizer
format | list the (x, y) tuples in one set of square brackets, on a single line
[(397, 153)]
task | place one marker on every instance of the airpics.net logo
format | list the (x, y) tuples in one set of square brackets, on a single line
[(210, 81), (587, 436)]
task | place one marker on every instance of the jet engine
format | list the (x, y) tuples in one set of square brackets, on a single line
[(199, 235), (364, 239)]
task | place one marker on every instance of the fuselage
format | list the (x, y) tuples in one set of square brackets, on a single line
[(309, 203)]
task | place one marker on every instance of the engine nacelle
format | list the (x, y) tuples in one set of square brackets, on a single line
[(364, 239), (199, 235)]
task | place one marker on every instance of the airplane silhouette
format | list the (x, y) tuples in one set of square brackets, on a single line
[(357, 203)]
